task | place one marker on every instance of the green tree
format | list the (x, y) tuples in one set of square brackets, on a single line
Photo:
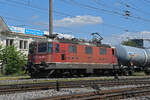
[(130, 43), (12, 60), (0, 52), (1, 55)]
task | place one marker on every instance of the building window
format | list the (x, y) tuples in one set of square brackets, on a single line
[(103, 51), (21, 44), (9, 42), (57, 48), (88, 50), (72, 49), (25, 44)]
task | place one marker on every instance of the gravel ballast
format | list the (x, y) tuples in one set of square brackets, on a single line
[(44, 93), (52, 92)]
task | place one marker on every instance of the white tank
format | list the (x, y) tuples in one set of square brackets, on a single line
[(133, 56)]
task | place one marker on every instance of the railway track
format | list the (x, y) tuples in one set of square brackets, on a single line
[(114, 94), (70, 84)]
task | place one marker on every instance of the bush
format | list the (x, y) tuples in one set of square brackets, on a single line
[(12, 60)]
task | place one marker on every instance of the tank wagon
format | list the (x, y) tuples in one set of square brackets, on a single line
[(57, 58), (133, 58)]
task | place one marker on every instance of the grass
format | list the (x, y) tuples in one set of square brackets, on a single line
[(2, 77), (139, 74), (44, 80)]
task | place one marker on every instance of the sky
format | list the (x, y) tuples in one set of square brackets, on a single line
[(81, 17)]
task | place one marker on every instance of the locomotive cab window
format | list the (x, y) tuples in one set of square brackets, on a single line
[(72, 49), (103, 51), (32, 48), (50, 47), (88, 50), (42, 47), (57, 48)]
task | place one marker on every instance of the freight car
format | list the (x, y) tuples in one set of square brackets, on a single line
[(133, 58), (58, 58)]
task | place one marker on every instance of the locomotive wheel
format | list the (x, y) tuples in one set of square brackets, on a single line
[(126, 73), (34, 75), (130, 72), (147, 72)]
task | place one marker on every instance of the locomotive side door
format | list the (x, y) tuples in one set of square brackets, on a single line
[(59, 52), (113, 56), (63, 52)]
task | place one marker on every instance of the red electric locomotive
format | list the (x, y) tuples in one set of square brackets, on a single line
[(61, 57)]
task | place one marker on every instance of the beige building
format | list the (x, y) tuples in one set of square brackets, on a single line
[(19, 40)]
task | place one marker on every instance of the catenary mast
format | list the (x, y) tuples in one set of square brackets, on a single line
[(50, 17)]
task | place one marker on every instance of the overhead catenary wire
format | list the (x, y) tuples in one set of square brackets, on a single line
[(133, 7), (61, 13), (98, 2), (20, 21), (147, 1), (44, 10), (36, 8), (89, 7), (106, 11), (93, 8)]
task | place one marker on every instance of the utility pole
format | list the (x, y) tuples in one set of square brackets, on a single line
[(50, 17)]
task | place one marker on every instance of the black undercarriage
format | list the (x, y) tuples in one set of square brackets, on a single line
[(59, 70)]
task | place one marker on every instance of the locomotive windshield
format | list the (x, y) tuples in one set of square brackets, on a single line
[(45, 47), (42, 47)]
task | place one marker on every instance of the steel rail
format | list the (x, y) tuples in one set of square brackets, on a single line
[(114, 94), (70, 84)]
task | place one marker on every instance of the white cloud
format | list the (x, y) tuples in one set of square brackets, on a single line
[(78, 21), (145, 32), (61, 35), (66, 36)]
